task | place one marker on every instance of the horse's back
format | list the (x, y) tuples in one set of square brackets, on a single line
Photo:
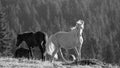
[(65, 35), (40, 36), (27, 35)]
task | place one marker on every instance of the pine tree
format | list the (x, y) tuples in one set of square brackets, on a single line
[(4, 34)]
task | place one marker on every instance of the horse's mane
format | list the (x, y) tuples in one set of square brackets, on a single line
[(72, 28)]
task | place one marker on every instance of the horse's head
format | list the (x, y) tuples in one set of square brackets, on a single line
[(19, 39), (80, 24)]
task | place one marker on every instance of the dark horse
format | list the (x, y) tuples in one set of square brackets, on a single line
[(22, 52), (33, 40)]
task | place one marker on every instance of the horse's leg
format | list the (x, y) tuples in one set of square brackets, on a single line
[(76, 48), (67, 54), (79, 52), (54, 53), (31, 54), (80, 47), (42, 52), (44, 48), (45, 55)]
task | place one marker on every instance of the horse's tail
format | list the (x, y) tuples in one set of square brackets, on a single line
[(45, 39), (50, 47), (44, 42), (65, 59), (48, 41)]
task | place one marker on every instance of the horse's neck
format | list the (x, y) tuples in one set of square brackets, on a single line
[(80, 32), (75, 32)]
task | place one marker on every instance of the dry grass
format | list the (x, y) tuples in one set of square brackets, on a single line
[(25, 63)]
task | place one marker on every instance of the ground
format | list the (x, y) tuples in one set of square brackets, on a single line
[(6, 62)]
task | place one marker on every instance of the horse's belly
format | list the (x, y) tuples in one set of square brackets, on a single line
[(67, 44), (68, 47)]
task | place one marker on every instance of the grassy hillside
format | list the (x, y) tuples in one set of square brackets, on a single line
[(102, 22), (24, 63)]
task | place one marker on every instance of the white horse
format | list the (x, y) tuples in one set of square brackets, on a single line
[(66, 40)]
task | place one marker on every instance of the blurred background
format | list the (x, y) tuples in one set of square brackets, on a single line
[(102, 24)]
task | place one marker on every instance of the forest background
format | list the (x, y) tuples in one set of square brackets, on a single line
[(102, 24)]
